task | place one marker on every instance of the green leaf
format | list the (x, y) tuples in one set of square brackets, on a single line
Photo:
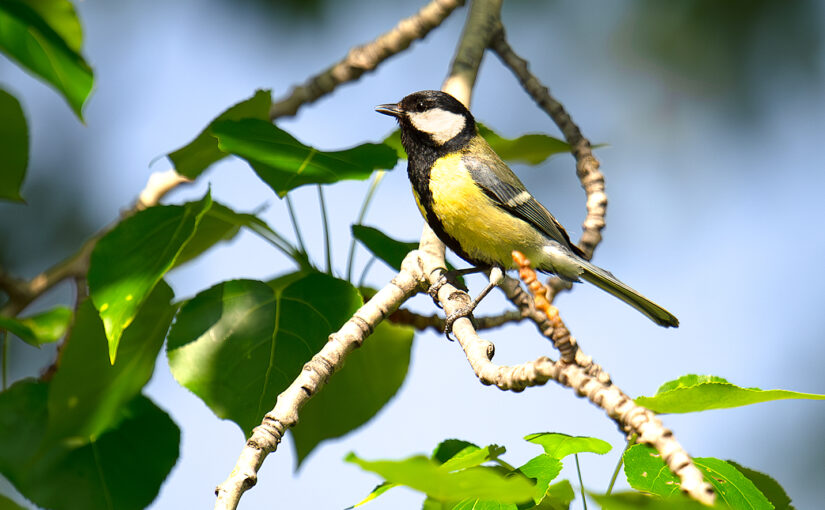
[(123, 468), (383, 246), (370, 378), (199, 154), (472, 456), (531, 148), (478, 504), (43, 328), (380, 489), (27, 37), (449, 448), (8, 504), (544, 469), (691, 393), (88, 393), (240, 343), (560, 446), (636, 500), (284, 163), (767, 486), (646, 472), (558, 497), (425, 475), (131, 259), (14, 145)]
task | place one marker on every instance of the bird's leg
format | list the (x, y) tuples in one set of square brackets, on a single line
[(447, 276), (496, 277)]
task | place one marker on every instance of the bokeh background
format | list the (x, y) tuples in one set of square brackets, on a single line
[(714, 116)]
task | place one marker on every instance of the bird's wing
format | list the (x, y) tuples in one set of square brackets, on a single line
[(505, 189)]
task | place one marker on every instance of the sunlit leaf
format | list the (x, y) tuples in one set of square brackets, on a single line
[(27, 36), (284, 163), (560, 446), (472, 456), (123, 468), (531, 148), (557, 497), (425, 475), (544, 469), (196, 156), (646, 472), (87, 392), (691, 393), (240, 343), (14, 145), (370, 378), (39, 329), (131, 259)]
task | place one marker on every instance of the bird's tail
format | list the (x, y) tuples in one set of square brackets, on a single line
[(609, 283)]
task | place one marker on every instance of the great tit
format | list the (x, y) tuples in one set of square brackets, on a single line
[(479, 208)]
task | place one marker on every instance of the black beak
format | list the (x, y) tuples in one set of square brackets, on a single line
[(390, 109)]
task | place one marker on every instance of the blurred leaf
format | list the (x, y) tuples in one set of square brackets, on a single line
[(240, 343), (370, 378), (27, 37), (43, 328), (478, 504), (383, 246), (14, 144), (196, 156), (449, 448), (472, 456), (8, 504), (129, 260), (691, 393), (544, 469), (636, 500), (767, 486), (646, 472), (425, 475), (123, 468), (284, 163), (88, 393), (530, 149), (560, 446), (380, 489), (558, 497)]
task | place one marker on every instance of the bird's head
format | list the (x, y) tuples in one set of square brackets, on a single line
[(432, 117)]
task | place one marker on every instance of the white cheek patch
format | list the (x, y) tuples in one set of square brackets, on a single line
[(441, 125)]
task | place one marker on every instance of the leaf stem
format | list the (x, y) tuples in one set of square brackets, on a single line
[(367, 267), (581, 483), (4, 342), (630, 443), (376, 180), (327, 247), (294, 221)]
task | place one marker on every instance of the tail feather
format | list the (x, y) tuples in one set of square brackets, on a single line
[(609, 283)]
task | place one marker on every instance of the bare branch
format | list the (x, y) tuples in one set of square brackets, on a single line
[(365, 58), (587, 166)]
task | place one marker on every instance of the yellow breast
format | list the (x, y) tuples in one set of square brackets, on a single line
[(485, 231)]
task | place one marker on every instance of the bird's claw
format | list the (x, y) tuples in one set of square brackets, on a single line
[(434, 288), (464, 311)]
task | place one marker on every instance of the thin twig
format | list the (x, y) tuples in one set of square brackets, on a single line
[(325, 225), (422, 322), (365, 58), (291, 210), (581, 482), (630, 442)]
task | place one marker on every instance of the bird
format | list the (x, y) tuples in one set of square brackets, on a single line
[(481, 210)]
